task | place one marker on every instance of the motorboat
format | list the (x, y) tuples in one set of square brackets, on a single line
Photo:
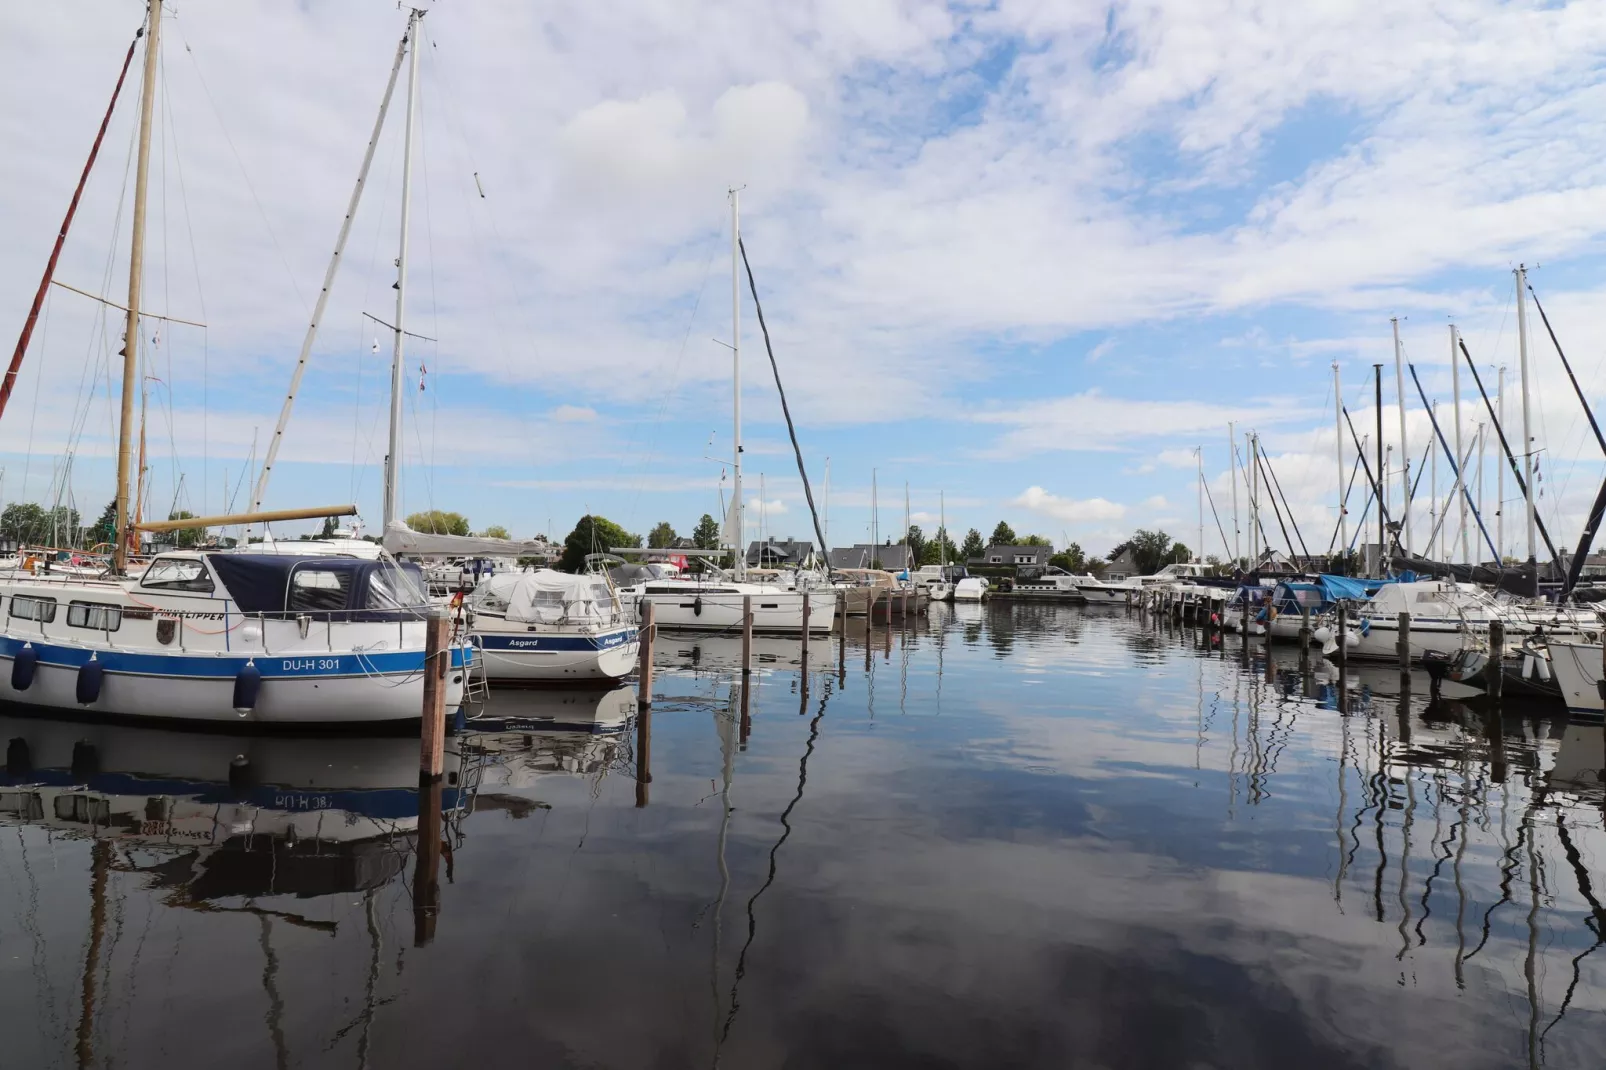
[(970, 589), (713, 601), (550, 626), (1055, 585), (225, 637)]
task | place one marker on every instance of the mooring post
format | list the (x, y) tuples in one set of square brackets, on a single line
[(432, 721), (1495, 670), (1404, 647), (805, 650), (426, 872), (1246, 616), (747, 634), (646, 636), (1304, 626), (745, 725), (643, 753), (1343, 634)]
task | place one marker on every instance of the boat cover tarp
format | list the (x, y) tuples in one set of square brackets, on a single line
[(1355, 589), (1514, 579), (339, 588), (401, 539), (547, 597)]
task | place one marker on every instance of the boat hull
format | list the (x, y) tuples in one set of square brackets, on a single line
[(533, 657), (775, 611), (1577, 671)]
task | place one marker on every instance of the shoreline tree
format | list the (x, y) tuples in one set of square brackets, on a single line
[(662, 536), (439, 522), (592, 535)]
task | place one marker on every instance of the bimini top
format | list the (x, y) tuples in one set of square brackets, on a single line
[(546, 597), (337, 588)]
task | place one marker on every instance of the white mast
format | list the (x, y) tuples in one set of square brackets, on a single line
[(1405, 449), (1232, 467), (907, 562), (1435, 514), (736, 374), (942, 540), (1198, 452), (329, 278), (1338, 446), (1254, 501), (1500, 472), (1480, 479), (136, 267), (825, 515), (1527, 430), (394, 455), (875, 519), (1460, 480)]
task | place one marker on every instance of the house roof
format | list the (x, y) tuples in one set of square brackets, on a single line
[(893, 556), (1038, 554), (790, 550)]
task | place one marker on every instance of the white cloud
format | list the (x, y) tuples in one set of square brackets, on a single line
[(772, 507), (1069, 510), (1183, 458), (574, 414), (1094, 421)]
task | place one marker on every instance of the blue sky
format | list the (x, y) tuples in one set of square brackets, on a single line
[(1025, 256)]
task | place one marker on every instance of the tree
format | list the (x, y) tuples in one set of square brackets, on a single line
[(593, 535), (328, 529), (186, 536), (25, 522), (916, 540), (705, 536), (1152, 550), (940, 547), (972, 546), (495, 531), (1072, 559), (437, 522), (1003, 535), (663, 536), (104, 529), (1037, 540)]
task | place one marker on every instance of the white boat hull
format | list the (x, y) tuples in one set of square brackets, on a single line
[(1577, 670), (773, 611), (533, 657)]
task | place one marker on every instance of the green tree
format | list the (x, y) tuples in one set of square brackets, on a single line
[(328, 529), (1036, 540), (933, 550), (437, 522), (972, 546), (593, 535), (495, 531), (1072, 559), (705, 536), (916, 541), (104, 529), (1003, 535), (663, 536), (1152, 550), (186, 536)]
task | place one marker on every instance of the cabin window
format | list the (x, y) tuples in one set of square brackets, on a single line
[(177, 574), (394, 588), (42, 610), (317, 589), (96, 615)]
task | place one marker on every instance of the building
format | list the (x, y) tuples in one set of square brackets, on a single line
[(778, 553), (1122, 567), (1023, 562), (890, 556)]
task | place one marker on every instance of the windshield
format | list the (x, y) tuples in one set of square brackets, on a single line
[(176, 574), (391, 587)]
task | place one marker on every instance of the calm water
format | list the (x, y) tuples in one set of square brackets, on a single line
[(1022, 836)]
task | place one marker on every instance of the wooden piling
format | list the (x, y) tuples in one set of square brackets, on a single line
[(1495, 671), (1304, 626), (745, 725), (432, 722), (643, 753), (747, 636), (426, 872), (1343, 634), (1404, 645), (646, 636), (804, 652)]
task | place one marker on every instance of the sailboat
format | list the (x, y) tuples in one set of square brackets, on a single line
[(715, 600), (213, 636)]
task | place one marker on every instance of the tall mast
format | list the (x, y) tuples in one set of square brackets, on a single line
[(1405, 446), (825, 515), (1527, 429), (1255, 549), (1435, 520), (1500, 470), (1198, 453), (136, 266), (1338, 445), (1382, 511), (1480, 480), (875, 518), (1460, 481), (942, 523), (736, 376), (329, 277), (394, 456), (1232, 467)]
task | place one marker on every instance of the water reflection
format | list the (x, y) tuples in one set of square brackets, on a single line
[(998, 835)]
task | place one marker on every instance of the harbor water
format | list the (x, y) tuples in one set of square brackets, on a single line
[(1006, 835)]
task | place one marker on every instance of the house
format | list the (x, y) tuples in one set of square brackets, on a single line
[(1122, 567), (774, 553), (1024, 562), (890, 556)]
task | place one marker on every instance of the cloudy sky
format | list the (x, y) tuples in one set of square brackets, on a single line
[(1025, 255)]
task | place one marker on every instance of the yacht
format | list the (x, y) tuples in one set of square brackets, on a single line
[(1054, 585), (714, 602), (1443, 611), (549, 626)]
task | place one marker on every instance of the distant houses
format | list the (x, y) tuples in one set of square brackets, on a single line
[(779, 553), (890, 556), (1019, 562)]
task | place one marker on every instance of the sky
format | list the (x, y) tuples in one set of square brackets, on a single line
[(1019, 261)]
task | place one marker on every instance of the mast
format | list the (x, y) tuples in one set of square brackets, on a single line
[(906, 521), (1255, 549), (1405, 450), (1232, 467), (394, 456), (875, 519), (1527, 428), (1382, 504), (736, 377), (1338, 446), (1198, 453), (1460, 482), (942, 541), (329, 275), (1435, 524), (1500, 470), (1480, 483), (136, 267), (825, 519)]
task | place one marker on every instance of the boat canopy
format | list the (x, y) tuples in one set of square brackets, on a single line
[(547, 597), (401, 539), (333, 588)]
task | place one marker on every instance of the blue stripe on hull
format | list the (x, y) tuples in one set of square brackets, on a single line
[(495, 642), (227, 666)]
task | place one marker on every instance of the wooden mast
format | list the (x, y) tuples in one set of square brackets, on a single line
[(136, 258)]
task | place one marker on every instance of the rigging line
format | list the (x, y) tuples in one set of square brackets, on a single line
[(1343, 505), (1226, 546), (206, 91), (200, 296), (785, 409), (10, 380), (1278, 487), (1265, 540), (1279, 513)]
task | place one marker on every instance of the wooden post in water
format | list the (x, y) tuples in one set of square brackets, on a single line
[(1343, 634), (1495, 670), (643, 753), (1404, 645), (646, 635), (426, 874), (805, 650), (1304, 626), (432, 722), (747, 635)]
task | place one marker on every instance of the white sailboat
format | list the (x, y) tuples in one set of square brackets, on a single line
[(714, 601), (225, 636)]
